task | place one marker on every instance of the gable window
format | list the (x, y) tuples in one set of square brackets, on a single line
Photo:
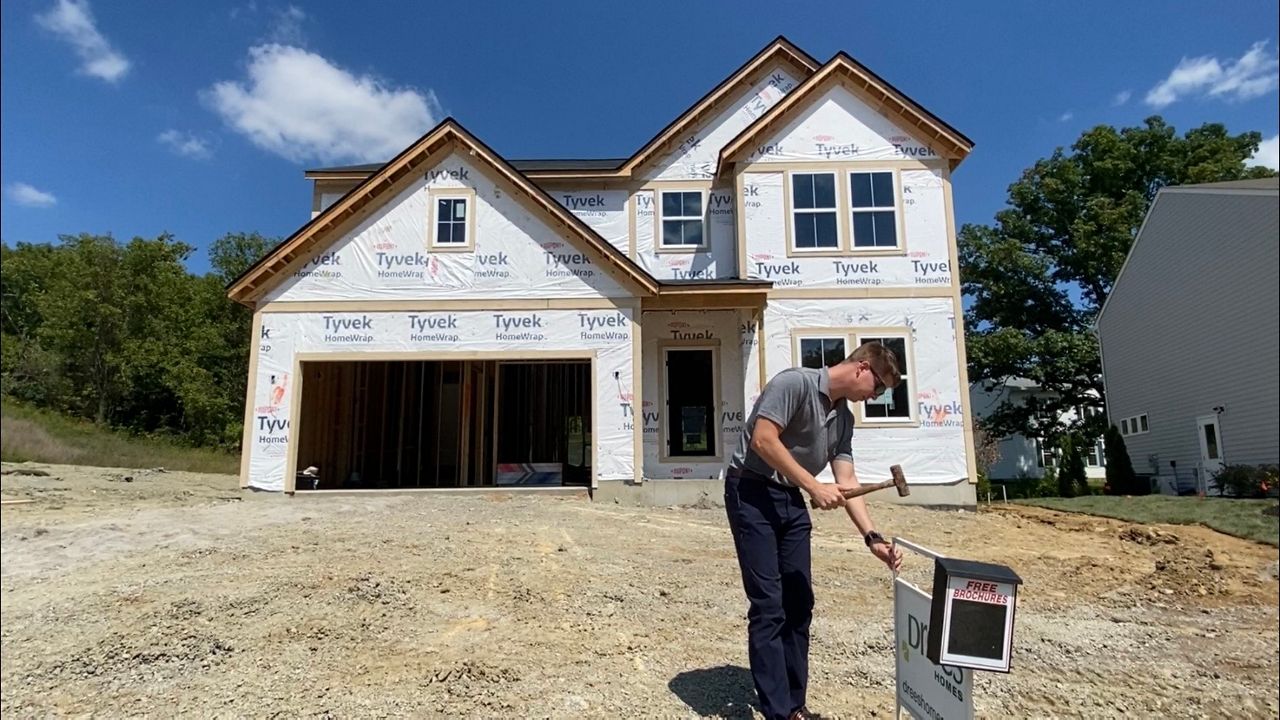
[(452, 223), (682, 223), (875, 209), (820, 352), (813, 211), (691, 418)]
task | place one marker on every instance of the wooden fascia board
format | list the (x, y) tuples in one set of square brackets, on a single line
[(779, 50)]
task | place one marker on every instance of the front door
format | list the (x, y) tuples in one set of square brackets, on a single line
[(1208, 432)]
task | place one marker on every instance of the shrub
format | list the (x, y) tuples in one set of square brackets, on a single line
[(1245, 481), (1121, 479)]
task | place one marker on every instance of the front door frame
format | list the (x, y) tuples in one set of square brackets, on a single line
[(1219, 462)]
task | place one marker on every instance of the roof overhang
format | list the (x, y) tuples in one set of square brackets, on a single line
[(725, 294)]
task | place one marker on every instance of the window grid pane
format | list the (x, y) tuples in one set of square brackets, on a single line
[(821, 352), (451, 221)]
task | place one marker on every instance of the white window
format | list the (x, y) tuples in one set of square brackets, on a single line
[(682, 220), (452, 220), (813, 212), (874, 202), (1096, 455), (690, 378), (1135, 425), (1046, 456)]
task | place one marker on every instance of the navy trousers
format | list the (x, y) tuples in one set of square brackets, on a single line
[(771, 532)]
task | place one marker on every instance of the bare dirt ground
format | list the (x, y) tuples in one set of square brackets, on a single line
[(175, 595)]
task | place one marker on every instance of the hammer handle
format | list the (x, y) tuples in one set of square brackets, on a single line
[(851, 493)]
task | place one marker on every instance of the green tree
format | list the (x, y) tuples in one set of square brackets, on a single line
[(1037, 277)]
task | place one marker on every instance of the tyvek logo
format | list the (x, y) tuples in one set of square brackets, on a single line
[(679, 273), (612, 327), (783, 274), (562, 263), (460, 174), (864, 272), (493, 265), (936, 413), (720, 204), (836, 150), (347, 330), (931, 273), (272, 433), (401, 265), (902, 147), (433, 328), (508, 326), (644, 204), (681, 330), (323, 266)]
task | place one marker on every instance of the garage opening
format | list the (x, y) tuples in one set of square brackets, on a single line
[(444, 424)]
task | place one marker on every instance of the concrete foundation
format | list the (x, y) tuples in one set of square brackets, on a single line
[(710, 493)]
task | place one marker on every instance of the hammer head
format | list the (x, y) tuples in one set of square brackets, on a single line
[(900, 481)]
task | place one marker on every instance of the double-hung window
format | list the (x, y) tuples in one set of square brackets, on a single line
[(813, 211), (873, 200), (819, 349), (682, 219)]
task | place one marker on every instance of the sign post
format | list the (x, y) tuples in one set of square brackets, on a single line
[(926, 690)]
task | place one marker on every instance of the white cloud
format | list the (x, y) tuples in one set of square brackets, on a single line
[(300, 106), (1254, 74), (1268, 154), (185, 144), (24, 194), (72, 21), (1066, 116), (287, 29), (1121, 98)]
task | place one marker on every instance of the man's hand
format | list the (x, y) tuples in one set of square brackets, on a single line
[(826, 496), (888, 554)]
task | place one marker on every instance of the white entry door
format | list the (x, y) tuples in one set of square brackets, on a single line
[(1210, 448)]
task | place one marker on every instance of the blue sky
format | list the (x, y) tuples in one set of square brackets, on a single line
[(199, 119)]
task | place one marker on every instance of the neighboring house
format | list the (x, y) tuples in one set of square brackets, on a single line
[(1189, 333), (1019, 456), (452, 318)]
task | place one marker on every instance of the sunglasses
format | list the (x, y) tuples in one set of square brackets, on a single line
[(881, 387)]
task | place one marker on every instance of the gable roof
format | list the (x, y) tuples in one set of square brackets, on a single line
[(950, 143), (779, 49), (444, 137)]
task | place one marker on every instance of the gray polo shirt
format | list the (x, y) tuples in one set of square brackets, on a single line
[(814, 430)]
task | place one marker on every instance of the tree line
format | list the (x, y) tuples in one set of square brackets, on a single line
[(123, 334)]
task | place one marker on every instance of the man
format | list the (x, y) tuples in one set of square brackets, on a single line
[(800, 423)]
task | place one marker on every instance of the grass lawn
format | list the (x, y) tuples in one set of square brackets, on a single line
[(1241, 518), (28, 434)]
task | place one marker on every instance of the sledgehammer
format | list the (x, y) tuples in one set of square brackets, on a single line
[(899, 481)]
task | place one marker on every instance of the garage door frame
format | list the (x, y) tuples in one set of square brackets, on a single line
[(295, 399)]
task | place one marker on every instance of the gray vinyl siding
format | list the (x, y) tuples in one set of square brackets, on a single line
[(1192, 323)]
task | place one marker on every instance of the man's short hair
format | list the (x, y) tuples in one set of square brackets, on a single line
[(881, 359)]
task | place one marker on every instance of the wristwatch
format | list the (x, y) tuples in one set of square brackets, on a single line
[(874, 537)]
